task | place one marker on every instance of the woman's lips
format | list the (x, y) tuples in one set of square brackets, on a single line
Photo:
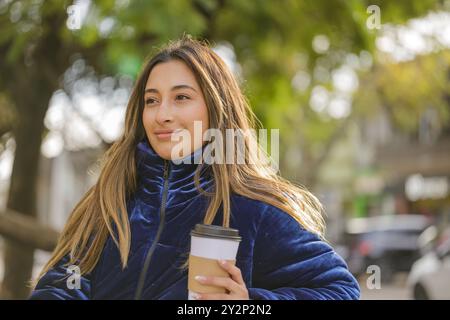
[(165, 135)]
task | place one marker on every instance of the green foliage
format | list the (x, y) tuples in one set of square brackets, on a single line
[(408, 89)]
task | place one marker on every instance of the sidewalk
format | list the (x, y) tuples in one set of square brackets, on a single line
[(396, 290)]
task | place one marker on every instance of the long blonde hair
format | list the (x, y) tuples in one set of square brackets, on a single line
[(103, 208)]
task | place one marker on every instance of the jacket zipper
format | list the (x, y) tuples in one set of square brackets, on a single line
[(162, 214)]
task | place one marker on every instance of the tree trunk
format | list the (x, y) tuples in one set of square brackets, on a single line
[(31, 96), (27, 230)]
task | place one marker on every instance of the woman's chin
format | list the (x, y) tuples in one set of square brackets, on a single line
[(166, 153)]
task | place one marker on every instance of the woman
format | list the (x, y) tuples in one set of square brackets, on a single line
[(129, 236)]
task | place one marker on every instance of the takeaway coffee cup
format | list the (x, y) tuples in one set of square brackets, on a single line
[(210, 243)]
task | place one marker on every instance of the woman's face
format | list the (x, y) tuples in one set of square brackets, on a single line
[(173, 100)]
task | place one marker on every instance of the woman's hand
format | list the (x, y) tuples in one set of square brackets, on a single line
[(235, 286)]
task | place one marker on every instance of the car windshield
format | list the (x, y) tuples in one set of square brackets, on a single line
[(400, 239)]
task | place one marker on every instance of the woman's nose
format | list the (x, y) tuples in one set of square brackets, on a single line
[(165, 112)]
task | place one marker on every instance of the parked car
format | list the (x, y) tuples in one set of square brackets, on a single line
[(390, 242), (430, 275)]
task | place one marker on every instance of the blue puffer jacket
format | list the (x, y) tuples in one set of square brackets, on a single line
[(278, 258)]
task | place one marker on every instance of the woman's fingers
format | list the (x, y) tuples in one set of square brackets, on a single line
[(234, 271), (224, 282), (214, 296), (235, 285)]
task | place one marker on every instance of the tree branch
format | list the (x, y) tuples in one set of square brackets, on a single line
[(27, 230)]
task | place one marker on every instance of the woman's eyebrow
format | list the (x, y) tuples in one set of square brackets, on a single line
[(177, 87)]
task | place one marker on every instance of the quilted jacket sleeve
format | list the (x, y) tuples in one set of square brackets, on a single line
[(291, 263), (62, 283)]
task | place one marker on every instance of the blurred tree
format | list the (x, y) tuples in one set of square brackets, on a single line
[(7, 117), (287, 49), (272, 41), (408, 90)]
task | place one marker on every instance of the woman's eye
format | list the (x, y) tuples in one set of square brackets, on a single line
[(150, 101), (182, 97), (178, 97)]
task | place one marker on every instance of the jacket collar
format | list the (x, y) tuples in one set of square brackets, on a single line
[(180, 175)]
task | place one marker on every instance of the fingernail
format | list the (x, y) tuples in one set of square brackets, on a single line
[(200, 278), (195, 296), (223, 262)]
